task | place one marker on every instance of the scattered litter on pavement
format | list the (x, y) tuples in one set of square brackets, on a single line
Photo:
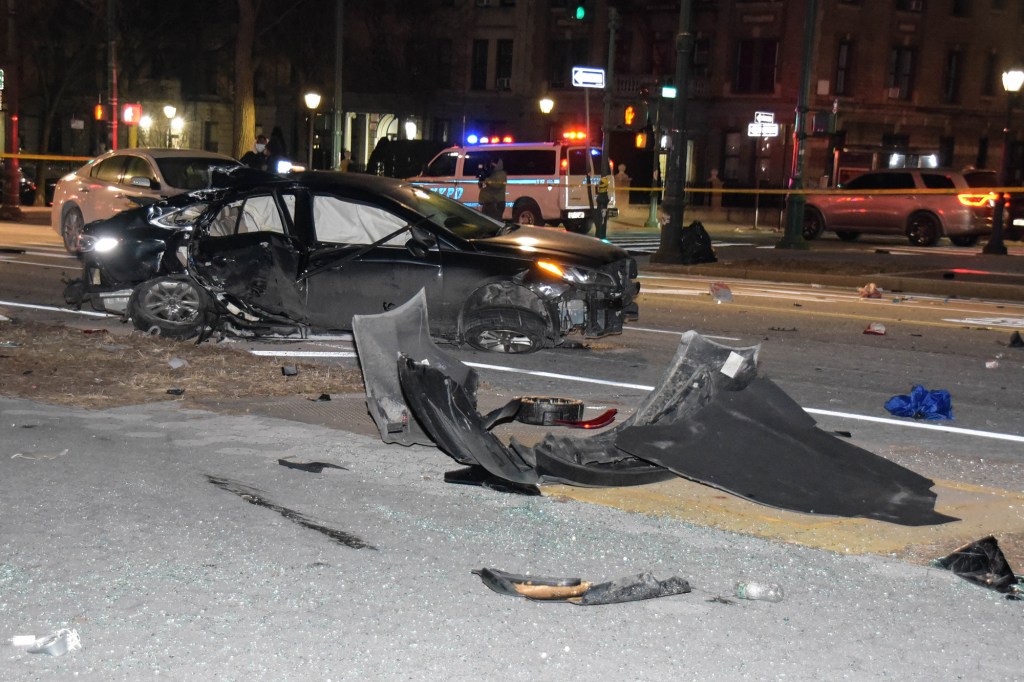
[(869, 290), (57, 644), (289, 370), (582, 592), (312, 467), (875, 328), (921, 404), (41, 455), (177, 363), (175, 391), (256, 497), (782, 329), (753, 591), (695, 245), (1016, 341), (983, 563), (323, 398), (991, 364), (720, 292)]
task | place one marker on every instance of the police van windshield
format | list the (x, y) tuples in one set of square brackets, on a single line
[(578, 164), (459, 219)]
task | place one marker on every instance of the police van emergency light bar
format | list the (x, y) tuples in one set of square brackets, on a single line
[(472, 138)]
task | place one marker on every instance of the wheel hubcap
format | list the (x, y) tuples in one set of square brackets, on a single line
[(505, 341), (174, 302)]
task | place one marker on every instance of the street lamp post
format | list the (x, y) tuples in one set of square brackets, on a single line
[(312, 102), (169, 112), (1012, 82)]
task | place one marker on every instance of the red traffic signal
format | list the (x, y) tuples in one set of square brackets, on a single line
[(131, 113)]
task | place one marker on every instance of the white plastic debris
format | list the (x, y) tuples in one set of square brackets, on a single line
[(991, 364), (57, 644), (177, 363), (721, 292)]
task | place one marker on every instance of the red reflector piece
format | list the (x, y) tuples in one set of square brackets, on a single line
[(965, 271), (597, 422)]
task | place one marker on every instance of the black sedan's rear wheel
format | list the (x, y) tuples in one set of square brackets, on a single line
[(169, 306), (924, 230), (504, 330)]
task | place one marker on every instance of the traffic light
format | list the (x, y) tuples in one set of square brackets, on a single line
[(99, 112), (629, 115), (131, 114), (582, 11), (641, 140)]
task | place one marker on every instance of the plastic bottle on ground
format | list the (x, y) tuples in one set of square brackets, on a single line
[(759, 591)]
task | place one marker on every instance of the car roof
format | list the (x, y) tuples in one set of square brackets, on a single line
[(158, 153)]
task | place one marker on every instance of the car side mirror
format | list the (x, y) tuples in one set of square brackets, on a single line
[(420, 241), (141, 181)]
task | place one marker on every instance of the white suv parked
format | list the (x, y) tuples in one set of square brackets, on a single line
[(907, 201)]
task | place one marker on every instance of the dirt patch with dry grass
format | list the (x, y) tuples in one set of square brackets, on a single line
[(94, 368)]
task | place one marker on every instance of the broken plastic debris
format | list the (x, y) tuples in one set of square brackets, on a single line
[(324, 398), (57, 644), (543, 410), (175, 391), (876, 328), (312, 467), (983, 563), (177, 363), (289, 370), (576, 591), (9, 344), (991, 364), (870, 291), (721, 292), (921, 404)]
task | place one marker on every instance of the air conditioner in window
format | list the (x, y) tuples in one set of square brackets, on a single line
[(503, 83), (893, 93)]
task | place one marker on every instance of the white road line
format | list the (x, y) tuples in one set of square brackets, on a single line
[(669, 331), (305, 354), (564, 377), (918, 425), (70, 311), (17, 261)]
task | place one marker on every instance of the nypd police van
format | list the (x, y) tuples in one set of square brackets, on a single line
[(547, 181)]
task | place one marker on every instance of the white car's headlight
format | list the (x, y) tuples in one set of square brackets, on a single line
[(88, 243)]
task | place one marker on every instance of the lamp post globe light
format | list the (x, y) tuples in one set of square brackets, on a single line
[(1013, 79), (169, 112), (312, 102), (547, 105)]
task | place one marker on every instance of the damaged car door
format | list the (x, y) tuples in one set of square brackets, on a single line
[(248, 256), (360, 264)]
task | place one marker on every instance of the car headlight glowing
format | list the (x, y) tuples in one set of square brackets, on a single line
[(571, 273), (88, 243)]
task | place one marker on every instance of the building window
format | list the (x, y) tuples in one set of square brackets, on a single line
[(910, 5), (951, 78), (701, 60), (444, 63), (565, 54), (503, 66), (988, 76), (999, 4), (843, 57), (478, 74), (961, 8), (900, 78), (755, 65)]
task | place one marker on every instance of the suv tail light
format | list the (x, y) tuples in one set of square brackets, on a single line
[(976, 200)]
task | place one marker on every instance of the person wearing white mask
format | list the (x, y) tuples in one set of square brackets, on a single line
[(257, 157)]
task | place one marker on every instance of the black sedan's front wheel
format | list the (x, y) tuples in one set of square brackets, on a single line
[(169, 306), (504, 330)]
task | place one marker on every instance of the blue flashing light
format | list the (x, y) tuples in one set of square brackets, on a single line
[(472, 139)]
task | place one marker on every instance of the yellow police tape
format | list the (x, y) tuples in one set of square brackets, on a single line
[(45, 157)]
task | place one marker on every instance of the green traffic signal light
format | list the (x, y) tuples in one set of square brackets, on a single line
[(581, 11)]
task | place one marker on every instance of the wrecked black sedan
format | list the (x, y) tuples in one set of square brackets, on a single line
[(301, 255)]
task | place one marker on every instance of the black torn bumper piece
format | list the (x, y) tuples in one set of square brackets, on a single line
[(983, 563), (580, 592)]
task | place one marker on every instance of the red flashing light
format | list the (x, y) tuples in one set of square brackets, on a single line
[(575, 135)]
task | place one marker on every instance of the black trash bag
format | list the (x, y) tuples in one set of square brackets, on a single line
[(696, 245), (983, 563)]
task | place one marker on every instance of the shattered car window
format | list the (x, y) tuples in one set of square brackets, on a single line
[(182, 217), (459, 218), (338, 221), (188, 173)]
